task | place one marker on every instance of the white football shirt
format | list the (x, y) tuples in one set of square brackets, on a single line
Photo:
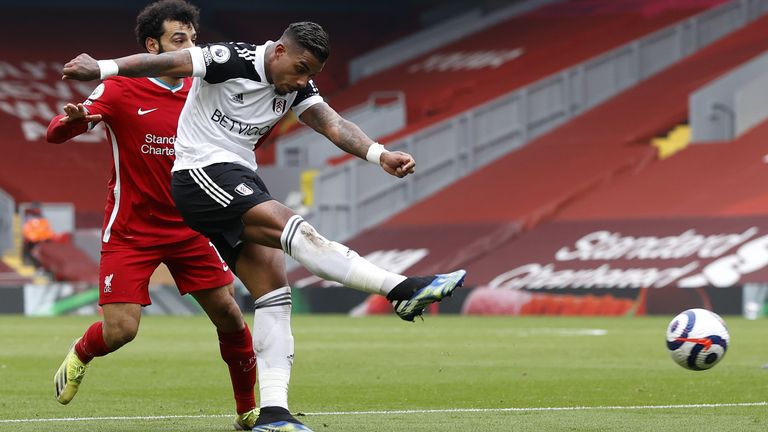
[(231, 105)]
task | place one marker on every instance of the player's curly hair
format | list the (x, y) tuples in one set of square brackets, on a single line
[(149, 22), (311, 37)]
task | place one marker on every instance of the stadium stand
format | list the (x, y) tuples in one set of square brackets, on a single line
[(557, 168), (443, 24), (352, 33), (66, 262), (728, 179), (32, 92), (350, 197), (549, 39), (559, 173), (514, 53), (696, 220), (511, 119)]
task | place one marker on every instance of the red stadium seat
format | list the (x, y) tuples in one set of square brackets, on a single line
[(67, 262)]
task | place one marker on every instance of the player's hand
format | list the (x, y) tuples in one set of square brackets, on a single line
[(81, 68), (398, 163), (78, 113)]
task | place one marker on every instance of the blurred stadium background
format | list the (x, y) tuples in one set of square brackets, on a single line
[(577, 157), (584, 157)]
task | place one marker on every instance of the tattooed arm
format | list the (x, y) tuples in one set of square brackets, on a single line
[(350, 138), (176, 63), (345, 134)]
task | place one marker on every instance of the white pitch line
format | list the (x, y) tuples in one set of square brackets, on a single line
[(425, 411), (535, 409)]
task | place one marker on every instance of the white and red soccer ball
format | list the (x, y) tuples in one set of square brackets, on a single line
[(697, 339)]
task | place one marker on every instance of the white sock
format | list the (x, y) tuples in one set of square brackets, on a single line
[(273, 344), (334, 261)]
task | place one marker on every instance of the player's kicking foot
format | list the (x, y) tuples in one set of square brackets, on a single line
[(432, 291), (269, 419), (69, 376)]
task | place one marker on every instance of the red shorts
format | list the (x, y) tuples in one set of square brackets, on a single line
[(124, 272)]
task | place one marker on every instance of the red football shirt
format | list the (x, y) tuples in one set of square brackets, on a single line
[(140, 116)]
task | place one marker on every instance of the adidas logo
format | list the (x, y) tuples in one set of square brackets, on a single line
[(237, 98)]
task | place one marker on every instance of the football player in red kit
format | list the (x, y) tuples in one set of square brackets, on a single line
[(142, 227)]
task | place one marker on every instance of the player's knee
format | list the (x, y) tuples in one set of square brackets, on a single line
[(225, 314), (120, 333), (230, 313)]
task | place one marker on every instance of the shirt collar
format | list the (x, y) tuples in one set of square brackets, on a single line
[(259, 61)]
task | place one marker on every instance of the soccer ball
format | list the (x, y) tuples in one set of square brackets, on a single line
[(697, 339)]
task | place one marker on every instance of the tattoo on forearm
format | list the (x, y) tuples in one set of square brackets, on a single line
[(352, 139), (343, 133), (142, 65)]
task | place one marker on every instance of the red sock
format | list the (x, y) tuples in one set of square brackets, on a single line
[(92, 343), (237, 351)]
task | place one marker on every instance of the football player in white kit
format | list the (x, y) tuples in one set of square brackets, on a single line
[(240, 92)]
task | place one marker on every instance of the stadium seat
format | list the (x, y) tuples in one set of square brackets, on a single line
[(550, 38), (66, 262)]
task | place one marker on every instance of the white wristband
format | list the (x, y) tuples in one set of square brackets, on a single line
[(107, 68), (374, 153)]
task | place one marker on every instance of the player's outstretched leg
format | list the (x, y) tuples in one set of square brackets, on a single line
[(427, 290), (334, 261), (69, 376)]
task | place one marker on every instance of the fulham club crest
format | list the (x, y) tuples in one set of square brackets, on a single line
[(278, 105), (243, 189)]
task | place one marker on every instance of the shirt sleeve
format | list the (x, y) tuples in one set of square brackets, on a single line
[(105, 99), (305, 98), (58, 132), (219, 62), (101, 101)]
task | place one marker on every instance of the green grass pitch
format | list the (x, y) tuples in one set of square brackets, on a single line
[(448, 373)]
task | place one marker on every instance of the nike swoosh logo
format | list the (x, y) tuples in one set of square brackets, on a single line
[(142, 112)]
